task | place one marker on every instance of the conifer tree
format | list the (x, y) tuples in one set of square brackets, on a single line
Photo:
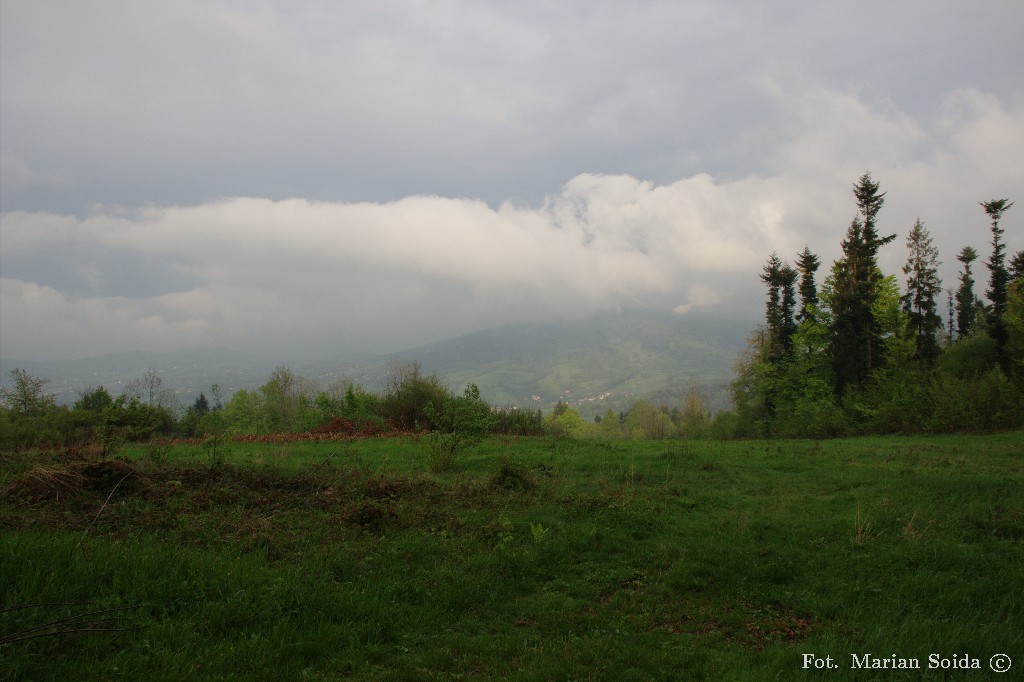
[(771, 276), (855, 340), (966, 302), (950, 316), (923, 285), (999, 275), (807, 264), (1017, 266), (787, 283)]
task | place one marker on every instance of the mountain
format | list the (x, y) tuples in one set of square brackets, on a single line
[(600, 362)]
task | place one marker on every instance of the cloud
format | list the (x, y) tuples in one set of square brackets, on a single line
[(288, 176), (295, 275), (246, 268)]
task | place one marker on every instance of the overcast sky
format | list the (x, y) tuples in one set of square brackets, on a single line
[(293, 178)]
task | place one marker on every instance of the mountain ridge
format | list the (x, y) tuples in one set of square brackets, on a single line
[(595, 363)]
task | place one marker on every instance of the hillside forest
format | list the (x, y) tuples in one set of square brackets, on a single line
[(860, 352)]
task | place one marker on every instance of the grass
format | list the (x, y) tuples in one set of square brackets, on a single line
[(531, 559)]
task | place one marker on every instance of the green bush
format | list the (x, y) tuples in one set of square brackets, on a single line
[(461, 422), (564, 422), (511, 421), (976, 404)]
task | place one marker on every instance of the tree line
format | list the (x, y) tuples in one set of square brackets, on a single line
[(411, 401), (286, 403), (860, 354)]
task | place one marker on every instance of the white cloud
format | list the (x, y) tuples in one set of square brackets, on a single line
[(265, 269)]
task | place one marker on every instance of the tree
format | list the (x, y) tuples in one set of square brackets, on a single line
[(781, 305), (93, 400), (771, 275), (201, 407), (1017, 266), (26, 398), (647, 422), (695, 418), (807, 264), (950, 316), (610, 425), (287, 400), (999, 275), (923, 285), (855, 343), (787, 282), (966, 301)]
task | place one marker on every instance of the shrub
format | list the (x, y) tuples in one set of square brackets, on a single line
[(461, 422), (564, 422), (409, 393), (512, 474), (975, 404), (511, 421)]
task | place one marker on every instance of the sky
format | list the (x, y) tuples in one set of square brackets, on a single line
[(304, 179)]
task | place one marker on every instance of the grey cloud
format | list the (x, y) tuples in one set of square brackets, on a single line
[(323, 173)]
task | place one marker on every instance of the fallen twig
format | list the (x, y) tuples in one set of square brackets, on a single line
[(104, 506), (70, 625)]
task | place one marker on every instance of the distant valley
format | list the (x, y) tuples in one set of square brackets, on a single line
[(598, 363)]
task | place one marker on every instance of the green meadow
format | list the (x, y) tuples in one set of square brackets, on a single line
[(532, 559)]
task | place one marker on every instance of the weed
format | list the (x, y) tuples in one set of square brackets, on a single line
[(157, 451), (511, 474), (442, 452), (216, 450), (863, 530)]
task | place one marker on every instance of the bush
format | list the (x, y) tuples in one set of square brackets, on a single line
[(408, 396), (975, 404), (511, 474), (461, 422), (511, 421), (564, 422)]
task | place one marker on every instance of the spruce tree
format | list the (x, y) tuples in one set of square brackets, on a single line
[(787, 328), (923, 285), (951, 316), (999, 275), (1017, 266), (807, 264), (856, 338), (966, 302), (771, 276)]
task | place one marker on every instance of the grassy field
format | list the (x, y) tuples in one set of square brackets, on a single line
[(533, 560)]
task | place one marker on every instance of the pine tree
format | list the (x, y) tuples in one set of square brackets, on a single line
[(787, 283), (807, 263), (966, 302), (923, 285), (855, 340), (999, 275), (1017, 266), (771, 276), (951, 316)]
